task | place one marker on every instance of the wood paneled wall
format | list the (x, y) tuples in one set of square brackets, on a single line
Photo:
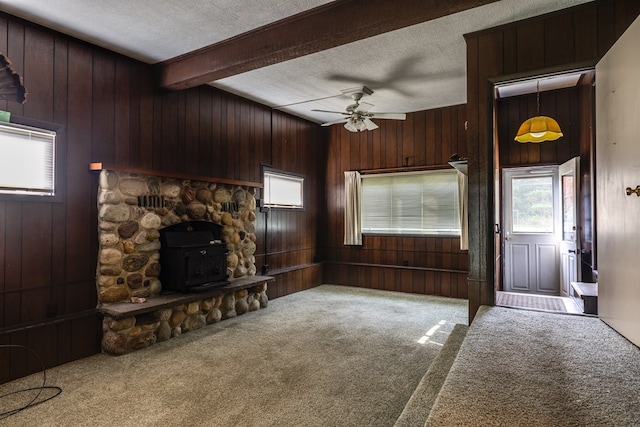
[(426, 265), (111, 112), (556, 41)]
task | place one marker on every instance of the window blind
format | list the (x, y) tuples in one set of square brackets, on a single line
[(27, 157), (416, 203)]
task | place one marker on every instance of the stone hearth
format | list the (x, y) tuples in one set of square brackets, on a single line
[(132, 208)]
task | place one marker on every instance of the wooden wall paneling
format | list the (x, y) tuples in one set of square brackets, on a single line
[(586, 39), (13, 262), (446, 254), (89, 328), (103, 113), (168, 143), (142, 130), (445, 284), (231, 136), (79, 152), (38, 74), (44, 342), (548, 152), (419, 134), (559, 43), (514, 148), (122, 112), (407, 142), (430, 138), (606, 26), (58, 210), (437, 124), (36, 255), (510, 50), (205, 160), (531, 52), (568, 145), (244, 153), (216, 134), (446, 138), (18, 357), (192, 125), (155, 148)]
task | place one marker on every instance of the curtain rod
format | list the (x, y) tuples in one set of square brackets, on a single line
[(405, 169)]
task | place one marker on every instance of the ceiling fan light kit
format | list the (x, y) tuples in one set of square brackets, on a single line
[(358, 116)]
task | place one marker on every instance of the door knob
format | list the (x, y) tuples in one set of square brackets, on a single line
[(572, 251)]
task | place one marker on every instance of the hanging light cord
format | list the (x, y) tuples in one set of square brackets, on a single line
[(538, 98)]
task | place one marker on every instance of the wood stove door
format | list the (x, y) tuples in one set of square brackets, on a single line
[(204, 265)]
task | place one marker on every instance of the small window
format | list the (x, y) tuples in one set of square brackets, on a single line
[(27, 160), (411, 203), (283, 190)]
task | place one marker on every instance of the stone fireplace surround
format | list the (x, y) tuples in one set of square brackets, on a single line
[(133, 205)]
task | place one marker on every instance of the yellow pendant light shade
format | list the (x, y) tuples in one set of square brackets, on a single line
[(539, 129)]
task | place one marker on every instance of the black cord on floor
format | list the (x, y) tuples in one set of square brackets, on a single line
[(33, 401)]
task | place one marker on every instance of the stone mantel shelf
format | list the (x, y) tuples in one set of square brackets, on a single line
[(98, 166), (122, 310)]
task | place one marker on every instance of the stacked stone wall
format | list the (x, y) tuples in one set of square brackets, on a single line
[(132, 208)]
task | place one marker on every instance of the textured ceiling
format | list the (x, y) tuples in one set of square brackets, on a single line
[(415, 68)]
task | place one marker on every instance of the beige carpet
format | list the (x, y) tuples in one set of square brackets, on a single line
[(525, 368), (329, 356)]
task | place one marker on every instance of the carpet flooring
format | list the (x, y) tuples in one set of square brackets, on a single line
[(526, 368), (328, 356), (530, 301)]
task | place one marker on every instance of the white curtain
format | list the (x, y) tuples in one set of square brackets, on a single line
[(464, 220), (352, 204)]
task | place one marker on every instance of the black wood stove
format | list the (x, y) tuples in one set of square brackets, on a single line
[(192, 257)]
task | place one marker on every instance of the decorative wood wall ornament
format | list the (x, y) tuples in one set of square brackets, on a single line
[(11, 85)]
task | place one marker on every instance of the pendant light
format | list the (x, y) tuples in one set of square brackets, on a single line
[(538, 128)]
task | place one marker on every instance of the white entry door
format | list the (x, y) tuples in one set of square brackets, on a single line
[(570, 252), (531, 230), (617, 177)]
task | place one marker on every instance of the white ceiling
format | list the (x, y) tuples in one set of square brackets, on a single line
[(411, 69)]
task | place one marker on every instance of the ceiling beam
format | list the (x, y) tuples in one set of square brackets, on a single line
[(330, 25)]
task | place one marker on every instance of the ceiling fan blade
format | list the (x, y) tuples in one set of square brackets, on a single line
[(392, 116), (363, 107), (369, 124), (329, 111), (335, 122)]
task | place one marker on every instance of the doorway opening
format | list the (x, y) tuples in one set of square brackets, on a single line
[(543, 192)]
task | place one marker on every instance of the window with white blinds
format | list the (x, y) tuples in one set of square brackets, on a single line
[(411, 203), (27, 157), (283, 190)]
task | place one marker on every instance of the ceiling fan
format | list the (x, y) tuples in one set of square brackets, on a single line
[(358, 117)]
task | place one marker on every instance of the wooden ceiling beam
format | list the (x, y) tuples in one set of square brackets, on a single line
[(330, 25)]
